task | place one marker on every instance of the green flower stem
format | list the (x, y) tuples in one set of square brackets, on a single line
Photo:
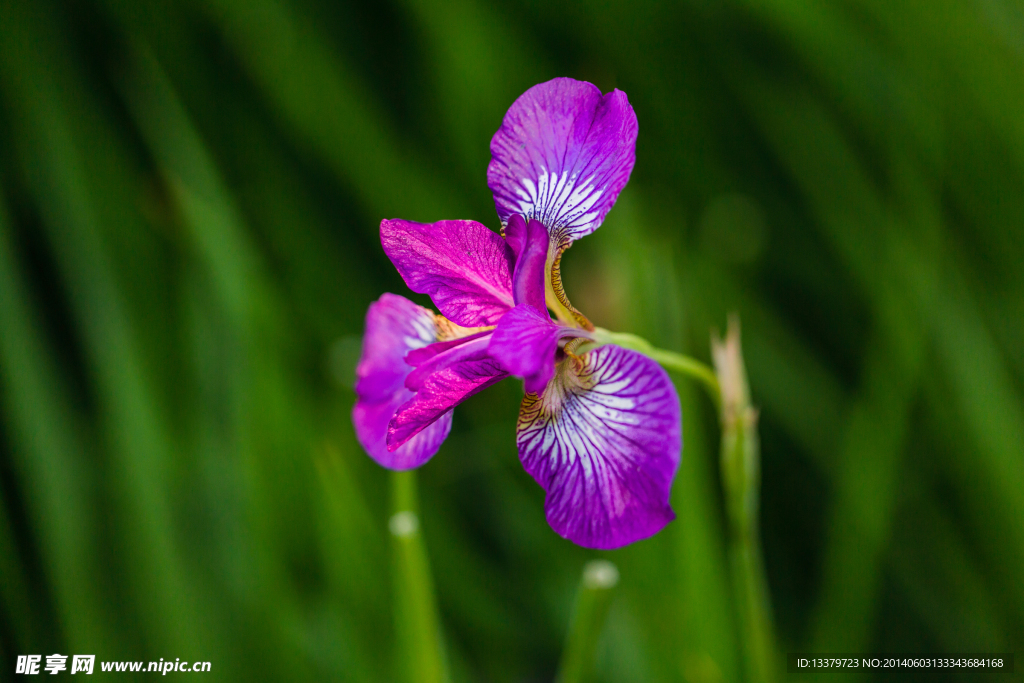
[(685, 365), (419, 648), (592, 602), (755, 612), (741, 479), (692, 368)]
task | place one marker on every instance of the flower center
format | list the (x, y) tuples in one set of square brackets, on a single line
[(446, 330), (571, 377)]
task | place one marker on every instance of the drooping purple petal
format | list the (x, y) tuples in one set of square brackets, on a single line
[(524, 342), (461, 265), (438, 393), (604, 442), (562, 155), (372, 420), (394, 326), (530, 243)]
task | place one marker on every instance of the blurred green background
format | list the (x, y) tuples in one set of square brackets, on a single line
[(190, 195)]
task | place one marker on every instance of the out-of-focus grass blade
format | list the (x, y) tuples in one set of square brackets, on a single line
[(63, 139), (994, 415), (330, 110), (481, 65), (861, 519), (50, 465), (15, 597), (351, 527), (954, 597), (419, 649), (593, 599), (265, 429)]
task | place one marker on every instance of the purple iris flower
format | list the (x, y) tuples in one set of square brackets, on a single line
[(599, 427)]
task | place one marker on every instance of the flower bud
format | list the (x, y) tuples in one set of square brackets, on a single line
[(741, 466)]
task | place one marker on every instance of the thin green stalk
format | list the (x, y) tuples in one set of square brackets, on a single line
[(419, 648), (741, 478), (741, 482), (592, 602), (691, 367), (754, 609)]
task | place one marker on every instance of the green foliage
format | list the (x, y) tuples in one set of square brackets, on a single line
[(189, 201)]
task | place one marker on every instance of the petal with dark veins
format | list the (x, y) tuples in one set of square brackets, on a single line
[(562, 154), (464, 267), (604, 442)]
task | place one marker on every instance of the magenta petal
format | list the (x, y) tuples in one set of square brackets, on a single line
[(394, 326), (469, 350), (418, 357), (604, 442), (371, 421), (461, 265), (438, 393), (525, 342), (515, 234), (562, 155), (529, 243)]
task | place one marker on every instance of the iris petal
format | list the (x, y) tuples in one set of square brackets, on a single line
[(438, 392), (463, 267), (371, 421), (394, 326), (604, 442), (418, 357), (562, 155), (468, 349)]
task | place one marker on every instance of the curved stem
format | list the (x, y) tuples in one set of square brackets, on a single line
[(671, 360), (693, 368)]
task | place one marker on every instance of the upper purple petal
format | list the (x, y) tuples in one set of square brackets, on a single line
[(529, 243), (562, 155), (604, 442), (461, 265), (525, 342), (394, 327)]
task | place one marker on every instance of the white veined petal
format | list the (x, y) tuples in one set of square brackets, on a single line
[(604, 442)]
